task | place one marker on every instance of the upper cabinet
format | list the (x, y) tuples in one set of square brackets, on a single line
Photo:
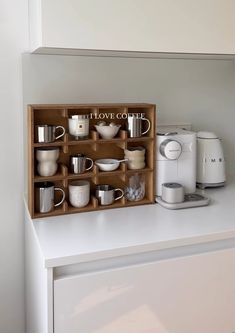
[(149, 27)]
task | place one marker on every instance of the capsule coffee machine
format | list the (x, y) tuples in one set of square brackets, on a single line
[(176, 169), (176, 158)]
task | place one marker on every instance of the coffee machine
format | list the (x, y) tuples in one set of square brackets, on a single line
[(176, 158)]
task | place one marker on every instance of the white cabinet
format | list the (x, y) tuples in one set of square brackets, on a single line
[(182, 26), (183, 295)]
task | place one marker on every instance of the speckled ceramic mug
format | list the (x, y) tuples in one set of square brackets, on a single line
[(79, 193)]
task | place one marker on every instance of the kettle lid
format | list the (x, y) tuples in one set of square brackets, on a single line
[(206, 135)]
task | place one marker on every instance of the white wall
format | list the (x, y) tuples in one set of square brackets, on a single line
[(13, 41), (196, 91)]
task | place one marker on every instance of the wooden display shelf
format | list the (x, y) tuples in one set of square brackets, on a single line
[(93, 147)]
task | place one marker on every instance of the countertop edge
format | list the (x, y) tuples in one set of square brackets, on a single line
[(138, 249)]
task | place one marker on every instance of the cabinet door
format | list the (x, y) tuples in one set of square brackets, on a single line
[(200, 26), (185, 295)]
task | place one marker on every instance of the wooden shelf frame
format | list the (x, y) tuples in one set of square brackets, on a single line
[(114, 148)]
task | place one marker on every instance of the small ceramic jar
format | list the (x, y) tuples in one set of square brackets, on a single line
[(136, 157), (47, 161)]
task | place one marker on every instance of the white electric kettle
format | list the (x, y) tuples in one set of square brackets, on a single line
[(210, 161)]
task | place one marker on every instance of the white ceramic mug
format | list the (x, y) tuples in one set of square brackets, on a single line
[(79, 193), (47, 157)]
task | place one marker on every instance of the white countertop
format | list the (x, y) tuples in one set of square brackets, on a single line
[(98, 235)]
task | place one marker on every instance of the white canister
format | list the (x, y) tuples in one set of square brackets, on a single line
[(172, 193), (79, 126)]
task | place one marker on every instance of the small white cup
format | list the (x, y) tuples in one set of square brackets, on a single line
[(79, 193)]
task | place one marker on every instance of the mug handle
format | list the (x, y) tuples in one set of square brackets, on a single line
[(116, 190), (62, 200), (149, 125), (63, 129), (92, 163)]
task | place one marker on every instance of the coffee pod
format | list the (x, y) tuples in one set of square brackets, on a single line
[(172, 193)]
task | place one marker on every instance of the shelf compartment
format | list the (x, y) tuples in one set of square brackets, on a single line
[(116, 182), (60, 175), (56, 177), (88, 208), (149, 151), (144, 201), (149, 178), (57, 211), (46, 115), (107, 150), (148, 112), (57, 197), (117, 204), (121, 169), (121, 135)]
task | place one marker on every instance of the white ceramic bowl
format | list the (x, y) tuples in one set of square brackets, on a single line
[(107, 132), (107, 164)]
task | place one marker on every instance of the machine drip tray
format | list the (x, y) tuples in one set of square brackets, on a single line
[(190, 201)]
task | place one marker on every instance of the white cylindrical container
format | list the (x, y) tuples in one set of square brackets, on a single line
[(172, 193), (79, 126)]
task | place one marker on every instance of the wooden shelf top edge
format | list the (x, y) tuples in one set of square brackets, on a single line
[(93, 105)]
